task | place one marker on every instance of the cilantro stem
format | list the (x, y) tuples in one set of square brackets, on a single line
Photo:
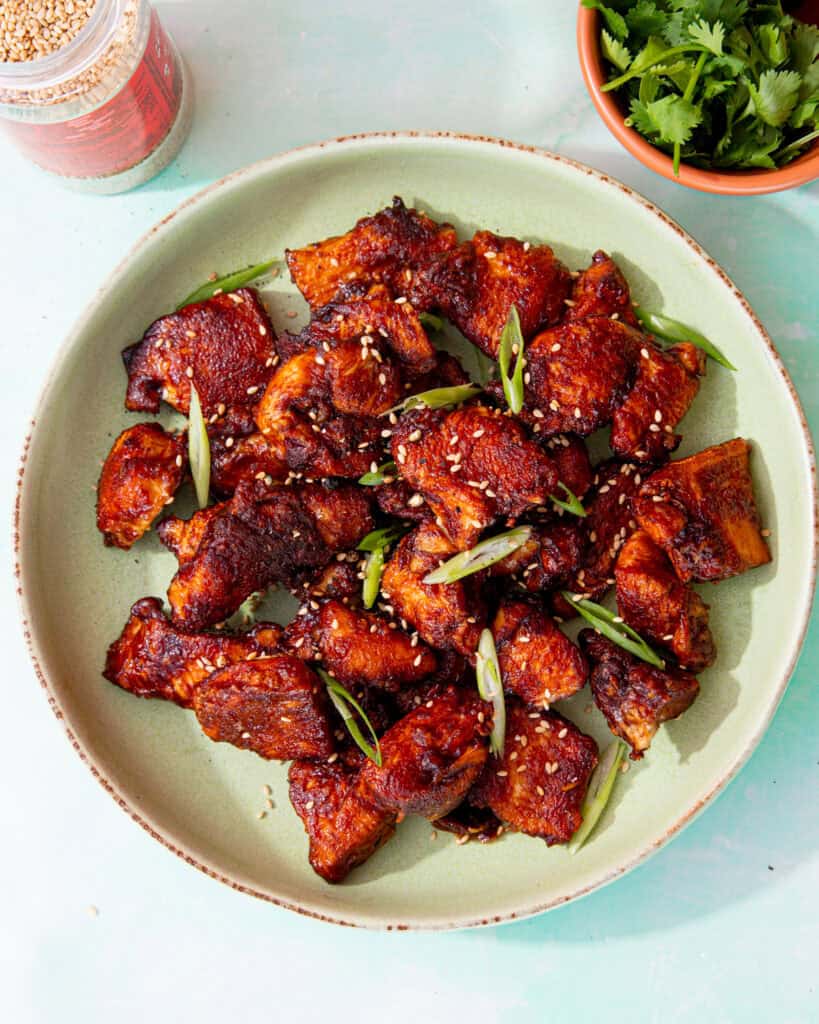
[(689, 92), (633, 72)]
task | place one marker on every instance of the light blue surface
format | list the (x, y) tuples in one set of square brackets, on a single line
[(719, 926)]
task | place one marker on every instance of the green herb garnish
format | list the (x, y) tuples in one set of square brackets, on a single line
[(430, 320), (716, 83), (480, 557), (597, 796), (343, 700), (573, 503), (382, 475), (376, 543), (490, 687), (620, 633), (511, 344), (198, 449), (228, 283), (673, 330), (437, 398)]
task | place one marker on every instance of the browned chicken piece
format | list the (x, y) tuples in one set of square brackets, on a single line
[(140, 476), (375, 314), (339, 580), (183, 536), (359, 648), (571, 458), (549, 559), (431, 757), (318, 414), (445, 614), (398, 499), (236, 458), (601, 290), (635, 697), (153, 659), (381, 248), (264, 535), (701, 512), (666, 384), (581, 371), (538, 662), (224, 346), (468, 822), (653, 601), (342, 824), (275, 706), (539, 784), (475, 285), (472, 466)]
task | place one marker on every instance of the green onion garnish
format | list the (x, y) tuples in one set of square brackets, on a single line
[(379, 476), (437, 398), (573, 505), (376, 543), (435, 323), (489, 551), (228, 283), (511, 344), (198, 449), (488, 675), (673, 330), (619, 633), (599, 791), (343, 700), (381, 538)]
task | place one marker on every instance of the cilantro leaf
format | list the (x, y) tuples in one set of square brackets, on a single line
[(614, 51), (710, 36), (614, 20), (804, 46), (671, 119), (773, 44), (776, 96), (643, 19)]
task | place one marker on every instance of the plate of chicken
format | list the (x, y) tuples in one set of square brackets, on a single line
[(449, 511)]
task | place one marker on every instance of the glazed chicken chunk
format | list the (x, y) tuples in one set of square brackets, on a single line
[(601, 290), (549, 559), (342, 823), (224, 346), (472, 466), (653, 601), (475, 285), (701, 512), (538, 662), (386, 248), (140, 476), (635, 697), (539, 784), (151, 658), (274, 705), (264, 535)]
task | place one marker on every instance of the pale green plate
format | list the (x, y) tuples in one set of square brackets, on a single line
[(200, 798)]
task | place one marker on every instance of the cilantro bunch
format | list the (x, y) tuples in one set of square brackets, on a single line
[(716, 83)]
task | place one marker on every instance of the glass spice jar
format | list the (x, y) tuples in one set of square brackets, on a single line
[(107, 110)]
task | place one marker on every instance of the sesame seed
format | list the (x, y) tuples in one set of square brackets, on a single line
[(577, 413), (654, 428), (262, 330), (455, 467), (541, 791), (253, 390), (644, 353), (382, 379), (189, 372), (604, 489), (321, 361), (229, 442), (527, 246), (563, 732), (765, 533), (658, 416), (501, 775), (414, 436), (568, 302), (400, 300), (415, 501), (556, 347), (490, 254), (261, 814), (478, 433)]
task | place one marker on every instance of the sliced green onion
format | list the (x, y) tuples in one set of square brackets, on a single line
[(673, 330), (573, 505), (343, 700), (437, 398), (435, 323), (619, 633), (198, 449), (228, 283), (379, 476), (376, 543), (489, 551), (599, 791), (490, 687), (381, 538), (511, 344)]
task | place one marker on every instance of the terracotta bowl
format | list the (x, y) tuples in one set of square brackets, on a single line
[(731, 183)]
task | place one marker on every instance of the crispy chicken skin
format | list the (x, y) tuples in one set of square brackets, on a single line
[(183, 536), (153, 659), (548, 560), (666, 384), (701, 512), (141, 474), (445, 614), (539, 784), (475, 285), (635, 697), (653, 601), (342, 824), (538, 662), (472, 466), (381, 248), (233, 459), (275, 706), (581, 371), (431, 757), (601, 290), (571, 458), (227, 343), (359, 648), (263, 535)]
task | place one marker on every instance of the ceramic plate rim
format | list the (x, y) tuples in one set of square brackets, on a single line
[(307, 152)]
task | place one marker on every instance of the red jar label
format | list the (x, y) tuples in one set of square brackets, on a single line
[(120, 133)]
